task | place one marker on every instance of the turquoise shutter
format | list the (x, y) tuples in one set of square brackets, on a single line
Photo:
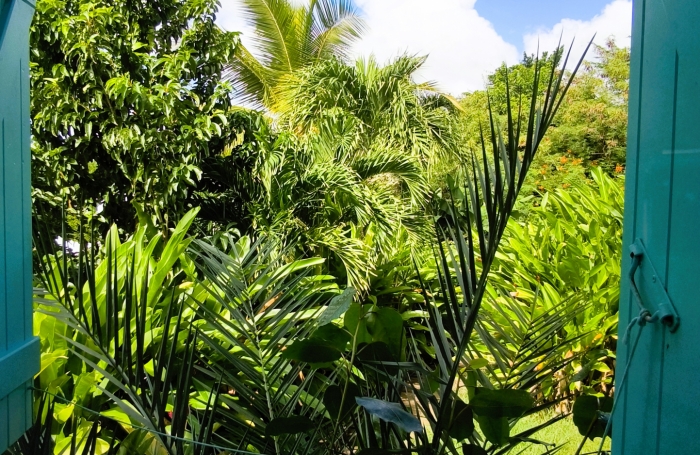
[(659, 410), (19, 351)]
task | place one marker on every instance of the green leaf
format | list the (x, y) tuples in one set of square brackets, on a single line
[(586, 411), (501, 403), (333, 336), (355, 323), (391, 412), (311, 351), (289, 425), (496, 430), (386, 325), (462, 424), (478, 363), (375, 354), (471, 449), (337, 307), (333, 397), (49, 359)]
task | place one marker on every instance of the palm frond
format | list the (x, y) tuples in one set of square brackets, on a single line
[(275, 37), (336, 25), (252, 82), (468, 242), (254, 306)]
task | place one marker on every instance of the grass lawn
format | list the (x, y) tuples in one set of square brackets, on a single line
[(563, 433)]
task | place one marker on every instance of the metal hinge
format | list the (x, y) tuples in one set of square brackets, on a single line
[(659, 306)]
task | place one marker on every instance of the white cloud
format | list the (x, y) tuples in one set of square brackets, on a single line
[(614, 21), (462, 47)]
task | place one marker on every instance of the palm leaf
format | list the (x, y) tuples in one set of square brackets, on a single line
[(254, 306)]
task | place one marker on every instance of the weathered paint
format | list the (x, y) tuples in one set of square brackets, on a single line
[(658, 412), (19, 351)]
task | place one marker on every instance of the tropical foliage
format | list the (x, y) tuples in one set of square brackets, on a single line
[(355, 176), (125, 122), (361, 265), (288, 38)]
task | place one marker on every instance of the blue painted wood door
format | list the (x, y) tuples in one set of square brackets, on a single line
[(659, 411), (19, 350)]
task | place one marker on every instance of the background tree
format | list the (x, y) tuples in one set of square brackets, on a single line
[(592, 125), (127, 99), (590, 129)]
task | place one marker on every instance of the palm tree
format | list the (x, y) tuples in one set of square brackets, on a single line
[(353, 177), (288, 38), (374, 103)]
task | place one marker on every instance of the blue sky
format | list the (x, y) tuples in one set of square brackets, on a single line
[(465, 40), (513, 19)]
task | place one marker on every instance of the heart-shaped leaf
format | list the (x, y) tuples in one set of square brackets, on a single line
[(378, 356), (496, 430), (386, 325), (354, 321), (391, 412), (311, 351), (333, 397), (289, 425), (333, 336), (586, 415), (462, 424), (337, 306), (470, 449), (501, 403)]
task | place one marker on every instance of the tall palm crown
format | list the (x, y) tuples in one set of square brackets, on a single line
[(288, 38), (355, 179)]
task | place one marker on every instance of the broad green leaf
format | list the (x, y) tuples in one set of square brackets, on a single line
[(587, 410), (118, 415), (377, 351), (332, 336), (64, 414), (356, 325), (470, 449), (337, 306), (311, 351), (48, 359), (495, 429), (391, 412), (333, 397), (386, 325), (501, 402), (462, 422), (289, 425), (177, 244)]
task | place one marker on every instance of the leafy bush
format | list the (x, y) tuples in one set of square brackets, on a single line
[(121, 115), (568, 249)]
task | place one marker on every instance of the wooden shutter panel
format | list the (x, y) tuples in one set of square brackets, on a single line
[(19, 350), (658, 412)]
